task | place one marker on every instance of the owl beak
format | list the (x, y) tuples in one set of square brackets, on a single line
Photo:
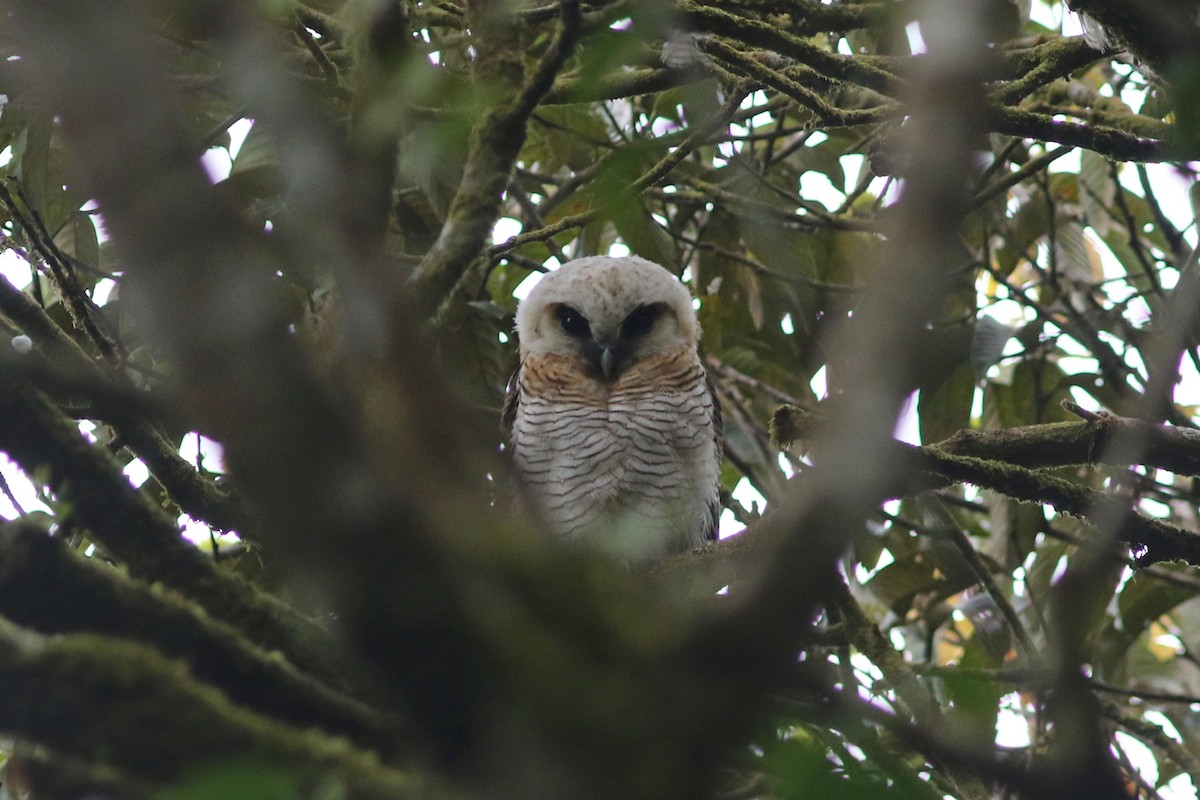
[(608, 362), (606, 358)]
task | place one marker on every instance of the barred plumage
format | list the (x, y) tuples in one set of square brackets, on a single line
[(613, 425)]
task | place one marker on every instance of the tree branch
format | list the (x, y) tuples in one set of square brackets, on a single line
[(124, 521), (496, 141), (96, 698), (49, 589), (197, 495)]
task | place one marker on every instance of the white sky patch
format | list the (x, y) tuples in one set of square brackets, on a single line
[(755, 99), (1012, 728), (908, 428), (852, 165), (526, 286), (816, 186), (748, 496), (22, 490), (136, 472), (729, 149), (1139, 755), (1084, 400), (6, 156), (865, 668), (819, 385), (213, 454), (727, 525), (1187, 391), (218, 161), (661, 126), (200, 534), (237, 135), (88, 429), (916, 42), (862, 574), (504, 229), (15, 269), (1170, 188), (102, 292)]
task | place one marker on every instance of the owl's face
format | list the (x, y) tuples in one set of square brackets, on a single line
[(608, 312)]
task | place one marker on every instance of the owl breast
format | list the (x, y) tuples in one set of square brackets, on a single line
[(630, 466)]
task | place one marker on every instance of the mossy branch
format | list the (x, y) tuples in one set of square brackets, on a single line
[(744, 63), (197, 495), (49, 589), (1057, 444), (1043, 64), (1007, 462), (38, 436), (861, 71), (496, 141), (95, 699)]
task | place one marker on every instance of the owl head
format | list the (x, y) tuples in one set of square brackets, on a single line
[(611, 311)]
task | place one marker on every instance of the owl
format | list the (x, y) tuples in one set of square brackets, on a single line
[(612, 423)]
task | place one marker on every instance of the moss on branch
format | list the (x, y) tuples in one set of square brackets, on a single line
[(37, 436), (852, 69), (746, 64), (1117, 144), (1007, 462), (96, 698), (1042, 64), (46, 587), (495, 143), (803, 17), (1056, 444), (197, 495)]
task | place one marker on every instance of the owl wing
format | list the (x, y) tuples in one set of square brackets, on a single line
[(512, 400), (714, 508)]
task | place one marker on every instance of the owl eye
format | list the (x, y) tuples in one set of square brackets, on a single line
[(640, 321), (573, 322)]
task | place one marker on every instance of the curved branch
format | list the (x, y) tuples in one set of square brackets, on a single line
[(932, 466), (496, 141), (854, 69), (46, 587), (1117, 144), (95, 699), (1042, 64), (37, 436), (197, 495)]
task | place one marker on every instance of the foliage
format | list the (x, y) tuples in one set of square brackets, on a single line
[(989, 227)]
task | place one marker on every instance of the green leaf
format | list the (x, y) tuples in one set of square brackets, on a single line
[(236, 780), (895, 585), (988, 340), (258, 151), (1097, 192), (946, 409), (976, 701), (31, 157), (1028, 393), (800, 768)]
